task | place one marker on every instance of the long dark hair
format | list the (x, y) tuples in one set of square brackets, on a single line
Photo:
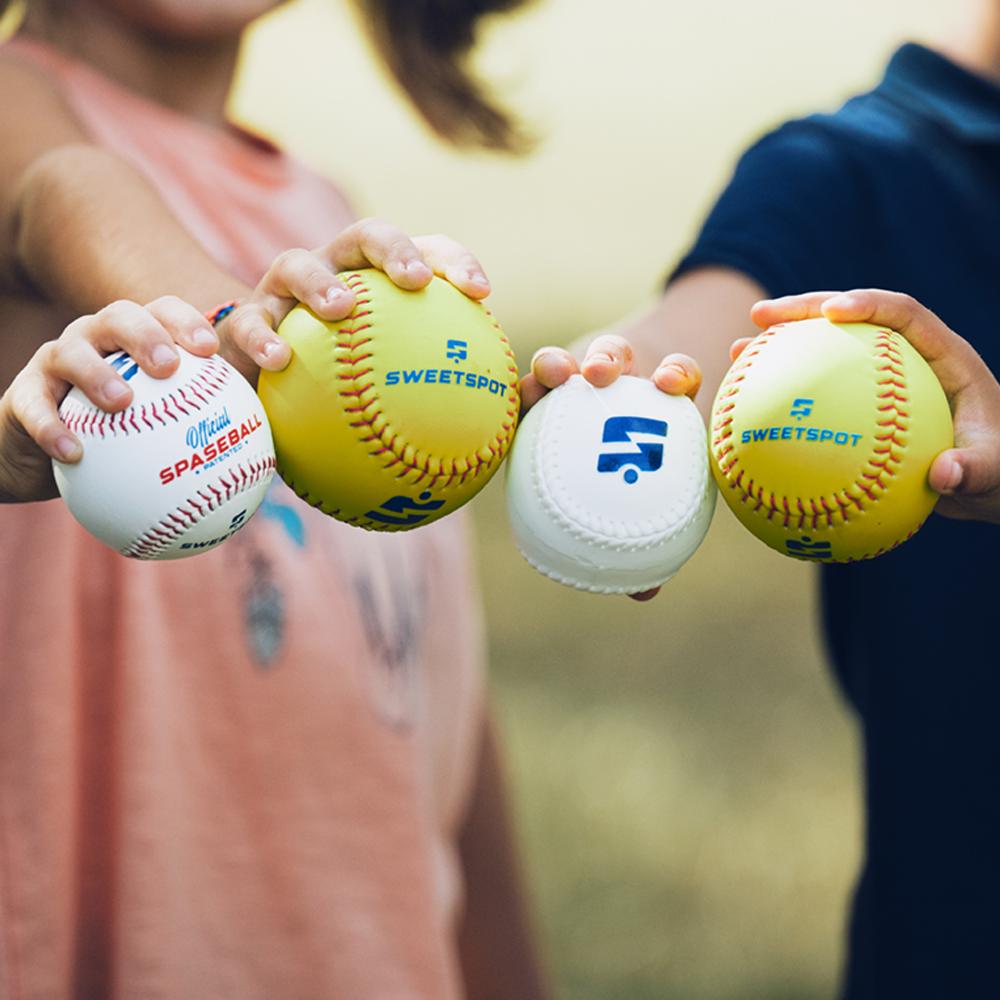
[(426, 44)]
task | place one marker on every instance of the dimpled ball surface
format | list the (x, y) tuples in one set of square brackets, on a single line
[(822, 437), (608, 490), (398, 414)]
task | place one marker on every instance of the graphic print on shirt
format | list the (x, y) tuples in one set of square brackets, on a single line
[(264, 606), (263, 610), (391, 606)]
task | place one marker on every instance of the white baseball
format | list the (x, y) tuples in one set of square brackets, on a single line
[(180, 470), (609, 490)]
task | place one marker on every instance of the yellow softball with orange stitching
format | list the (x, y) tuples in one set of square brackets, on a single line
[(822, 436), (398, 414)]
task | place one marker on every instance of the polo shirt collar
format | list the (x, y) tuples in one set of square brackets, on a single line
[(933, 86)]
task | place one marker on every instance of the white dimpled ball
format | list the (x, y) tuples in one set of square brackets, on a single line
[(178, 471), (609, 490)]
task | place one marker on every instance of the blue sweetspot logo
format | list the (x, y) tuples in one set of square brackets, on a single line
[(801, 408), (806, 548), (394, 510), (646, 456), (457, 350)]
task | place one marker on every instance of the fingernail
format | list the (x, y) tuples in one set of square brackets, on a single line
[(334, 295), (66, 447), (954, 479), (162, 355), (544, 353), (270, 348), (204, 337), (602, 356), (845, 302), (478, 278), (113, 390)]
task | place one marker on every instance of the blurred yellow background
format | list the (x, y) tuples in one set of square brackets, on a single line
[(685, 774)]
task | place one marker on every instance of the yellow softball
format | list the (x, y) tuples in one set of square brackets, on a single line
[(822, 435), (398, 414)]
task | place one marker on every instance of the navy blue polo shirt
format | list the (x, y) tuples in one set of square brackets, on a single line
[(900, 189)]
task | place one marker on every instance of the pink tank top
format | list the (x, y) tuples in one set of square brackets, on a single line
[(239, 775)]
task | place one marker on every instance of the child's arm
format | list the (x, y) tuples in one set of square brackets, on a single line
[(79, 225), (707, 310), (496, 943), (698, 316), (968, 475), (31, 431)]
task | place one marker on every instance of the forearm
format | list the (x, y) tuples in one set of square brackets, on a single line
[(701, 314), (87, 229)]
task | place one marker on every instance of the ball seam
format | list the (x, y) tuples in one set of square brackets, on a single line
[(429, 471), (186, 515), (196, 393), (812, 513)]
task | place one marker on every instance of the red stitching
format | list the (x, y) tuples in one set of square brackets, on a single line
[(427, 471), (887, 360), (180, 520), (87, 421)]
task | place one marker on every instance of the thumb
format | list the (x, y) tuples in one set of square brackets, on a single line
[(970, 471)]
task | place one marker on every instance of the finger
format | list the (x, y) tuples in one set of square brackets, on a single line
[(33, 402), (607, 357), (738, 347), (531, 391), (249, 329), (645, 595), (303, 276), (967, 472), (789, 308), (952, 358), (552, 366), (374, 243), (130, 327), (946, 471), (448, 259), (678, 375), (75, 361), (185, 324)]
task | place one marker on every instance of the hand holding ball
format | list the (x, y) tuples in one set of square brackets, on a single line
[(398, 414), (178, 471), (822, 438), (608, 490)]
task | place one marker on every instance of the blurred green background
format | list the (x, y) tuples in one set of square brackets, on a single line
[(685, 774)]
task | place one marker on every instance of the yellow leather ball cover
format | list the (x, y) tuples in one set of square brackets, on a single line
[(822, 436), (398, 414)]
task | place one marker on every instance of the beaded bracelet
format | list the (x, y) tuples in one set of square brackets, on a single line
[(219, 313)]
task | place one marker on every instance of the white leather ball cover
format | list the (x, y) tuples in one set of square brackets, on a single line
[(178, 471), (609, 490)]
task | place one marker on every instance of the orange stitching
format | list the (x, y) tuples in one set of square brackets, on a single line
[(412, 461), (888, 359)]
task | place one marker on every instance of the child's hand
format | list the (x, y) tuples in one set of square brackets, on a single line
[(607, 357), (968, 475), (310, 276), (31, 431)]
